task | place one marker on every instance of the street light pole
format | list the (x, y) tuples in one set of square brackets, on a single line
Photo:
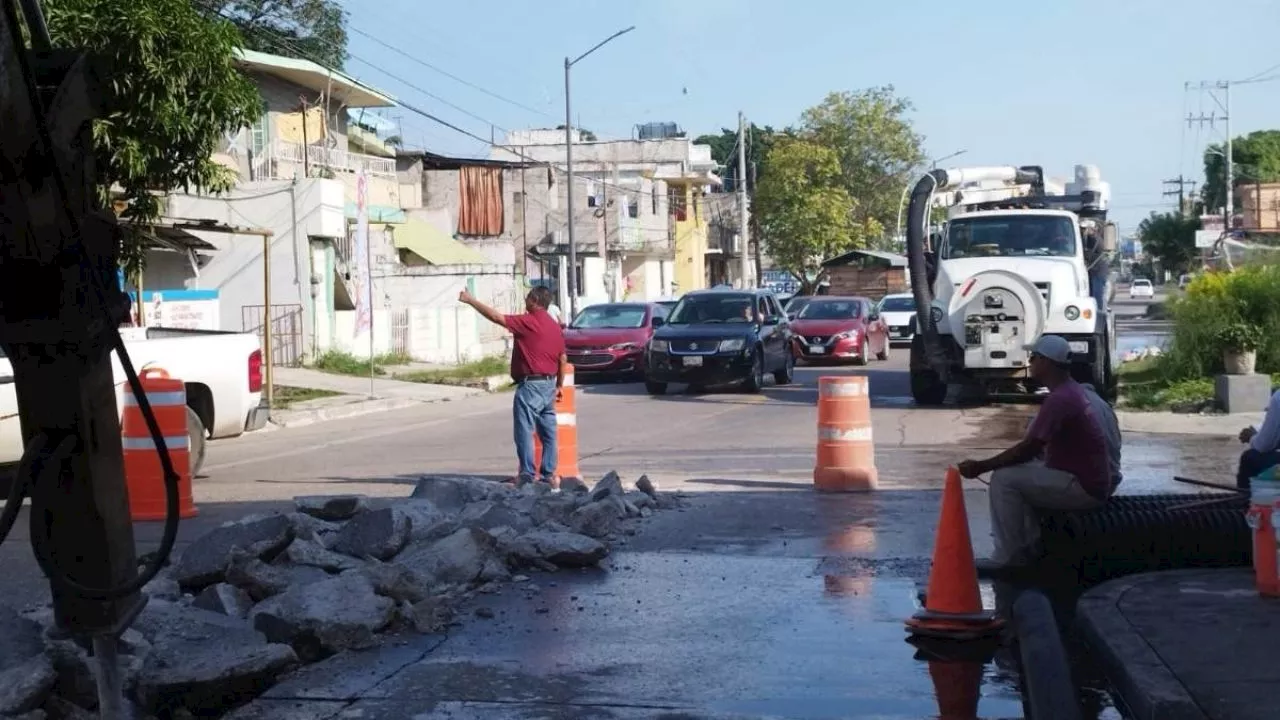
[(571, 276)]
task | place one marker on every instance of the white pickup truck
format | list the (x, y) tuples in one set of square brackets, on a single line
[(222, 371)]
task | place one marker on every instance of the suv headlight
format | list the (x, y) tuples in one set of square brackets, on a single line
[(656, 345), (732, 344), (1072, 312), (624, 346)]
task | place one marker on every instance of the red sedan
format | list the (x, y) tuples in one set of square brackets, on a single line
[(610, 339), (834, 328)]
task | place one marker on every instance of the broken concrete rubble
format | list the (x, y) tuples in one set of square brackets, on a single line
[(266, 593)]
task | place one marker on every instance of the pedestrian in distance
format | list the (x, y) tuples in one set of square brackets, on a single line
[(537, 367), (1076, 473)]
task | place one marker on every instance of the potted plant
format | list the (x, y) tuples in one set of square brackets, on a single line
[(1239, 342)]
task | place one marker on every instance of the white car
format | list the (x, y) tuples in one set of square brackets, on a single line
[(1141, 288), (898, 311)]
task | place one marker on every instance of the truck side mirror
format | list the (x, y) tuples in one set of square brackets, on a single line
[(1110, 240)]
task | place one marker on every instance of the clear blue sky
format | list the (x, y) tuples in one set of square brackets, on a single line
[(1053, 84)]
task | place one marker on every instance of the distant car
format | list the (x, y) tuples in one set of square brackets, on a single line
[(898, 312), (1141, 288), (839, 328), (610, 339), (721, 336)]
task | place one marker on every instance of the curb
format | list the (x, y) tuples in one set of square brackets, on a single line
[(1144, 683), (302, 418), (1165, 423), (1048, 690)]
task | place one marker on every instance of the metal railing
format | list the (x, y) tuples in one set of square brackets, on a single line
[(283, 160)]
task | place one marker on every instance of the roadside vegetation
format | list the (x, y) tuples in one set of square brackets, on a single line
[(1239, 310), (284, 396), (344, 363), (470, 373)]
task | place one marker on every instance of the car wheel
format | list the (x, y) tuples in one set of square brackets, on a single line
[(655, 388), (783, 376), (864, 353), (884, 351), (196, 436), (755, 383)]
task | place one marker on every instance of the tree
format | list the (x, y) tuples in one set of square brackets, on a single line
[(314, 30), (724, 150), (1256, 157), (876, 144), (584, 135), (175, 92), (806, 215), (1171, 239)]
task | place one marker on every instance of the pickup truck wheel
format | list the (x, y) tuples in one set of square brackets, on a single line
[(196, 438)]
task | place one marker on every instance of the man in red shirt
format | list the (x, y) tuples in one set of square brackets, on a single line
[(1076, 472), (537, 367)]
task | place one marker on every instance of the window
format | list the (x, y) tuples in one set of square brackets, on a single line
[(713, 308), (762, 307), (613, 317), (1010, 235), (517, 198), (633, 207), (898, 303), (653, 197), (832, 310)]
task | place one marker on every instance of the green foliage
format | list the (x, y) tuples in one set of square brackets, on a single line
[(877, 147), (584, 134), (1170, 238), (1239, 337), (312, 30), (1256, 158), (175, 92), (344, 363), (470, 373), (804, 209), (724, 152), (1247, 299)]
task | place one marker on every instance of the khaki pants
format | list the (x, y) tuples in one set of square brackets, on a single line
[(1016, 492)]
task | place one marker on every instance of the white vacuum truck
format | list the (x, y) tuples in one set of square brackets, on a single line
[(1018, 257)]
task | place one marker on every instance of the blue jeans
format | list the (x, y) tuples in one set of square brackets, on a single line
[(534, 406)]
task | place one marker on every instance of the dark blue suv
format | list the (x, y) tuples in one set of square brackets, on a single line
[(718, 337)]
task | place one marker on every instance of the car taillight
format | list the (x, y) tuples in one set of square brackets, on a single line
[(255, 371)]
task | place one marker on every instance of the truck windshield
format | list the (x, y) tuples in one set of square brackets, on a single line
[(1010, 235)]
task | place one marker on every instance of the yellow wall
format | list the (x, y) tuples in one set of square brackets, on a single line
[(690, 243)]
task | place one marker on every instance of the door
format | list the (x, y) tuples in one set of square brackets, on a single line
[(777, 339)]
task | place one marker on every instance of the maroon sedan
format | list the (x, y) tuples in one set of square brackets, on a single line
[(610, 339), (839, 328)]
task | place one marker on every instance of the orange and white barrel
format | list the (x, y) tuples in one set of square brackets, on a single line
[(144, 475), (846, 459)]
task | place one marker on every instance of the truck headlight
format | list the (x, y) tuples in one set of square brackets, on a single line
[(732, 344), (1072, 312), (659, 346)]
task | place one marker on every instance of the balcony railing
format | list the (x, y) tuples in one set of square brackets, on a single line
[(283, 160)]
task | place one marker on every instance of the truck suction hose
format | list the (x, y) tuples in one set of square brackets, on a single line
[(917, 264), (37, 461)]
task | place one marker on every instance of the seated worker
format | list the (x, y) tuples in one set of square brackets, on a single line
[(1106, 416), (1263, 452), (1076, 472)]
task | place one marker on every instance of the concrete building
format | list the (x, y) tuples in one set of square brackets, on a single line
[(1259, 206), (640, 223)]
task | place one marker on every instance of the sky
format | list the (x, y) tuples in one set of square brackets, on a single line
[(1010, 83)]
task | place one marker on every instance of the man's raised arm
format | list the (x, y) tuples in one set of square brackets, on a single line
[(489, 313)]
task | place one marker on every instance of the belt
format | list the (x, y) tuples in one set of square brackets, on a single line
[(537, 377)]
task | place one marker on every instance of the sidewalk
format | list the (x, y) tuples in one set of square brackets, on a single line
[(1186, 644), (355, 397), (1186, 424)]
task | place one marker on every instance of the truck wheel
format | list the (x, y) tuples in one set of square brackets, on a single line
[(196, 437), (927, 387)]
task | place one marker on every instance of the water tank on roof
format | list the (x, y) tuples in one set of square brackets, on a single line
[(658, 130)]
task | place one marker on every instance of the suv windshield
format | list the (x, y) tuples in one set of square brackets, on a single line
[(898, 304), (727, 308), (610, 316), (1010, 235), (830, 310)]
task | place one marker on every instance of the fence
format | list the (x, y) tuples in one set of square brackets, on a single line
[(286, 331), (400, 332)]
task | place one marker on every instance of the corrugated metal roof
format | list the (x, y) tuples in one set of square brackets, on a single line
[(894, 259)]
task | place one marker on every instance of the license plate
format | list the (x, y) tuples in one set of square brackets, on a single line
[(1080, 347), (816, 349), (693, 361)]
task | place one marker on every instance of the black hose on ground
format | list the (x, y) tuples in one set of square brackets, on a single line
[(1048, 692)]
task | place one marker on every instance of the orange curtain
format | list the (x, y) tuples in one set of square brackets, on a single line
[(480, 209)]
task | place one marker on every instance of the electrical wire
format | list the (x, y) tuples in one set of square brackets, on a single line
[(41, 532)]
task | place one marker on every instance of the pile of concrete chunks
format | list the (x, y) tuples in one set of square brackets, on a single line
[(259, 597)]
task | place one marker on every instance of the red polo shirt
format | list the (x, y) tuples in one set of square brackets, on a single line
[(539, 343)]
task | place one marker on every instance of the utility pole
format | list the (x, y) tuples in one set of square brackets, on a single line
[(740, 178), (1181, 183), (1211, 120)]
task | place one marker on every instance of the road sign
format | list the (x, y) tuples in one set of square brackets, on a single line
[(1206, 238)]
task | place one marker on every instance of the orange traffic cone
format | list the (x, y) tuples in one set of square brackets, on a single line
[(953, 607), (958, 688)]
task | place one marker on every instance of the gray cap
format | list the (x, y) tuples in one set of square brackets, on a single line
[(1053, 348)]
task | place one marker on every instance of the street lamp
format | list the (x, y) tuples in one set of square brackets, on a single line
[(957, 153), (571, 276)]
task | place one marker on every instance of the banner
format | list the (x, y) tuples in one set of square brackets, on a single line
[(362, 277)]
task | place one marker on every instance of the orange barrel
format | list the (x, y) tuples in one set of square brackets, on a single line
[(846, 454), (566, 433), (143, 472)]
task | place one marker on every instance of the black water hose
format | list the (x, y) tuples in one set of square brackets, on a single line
[(918, 209), (41, 536)]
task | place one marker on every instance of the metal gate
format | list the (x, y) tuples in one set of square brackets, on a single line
[(286, 331), (400, 333)]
